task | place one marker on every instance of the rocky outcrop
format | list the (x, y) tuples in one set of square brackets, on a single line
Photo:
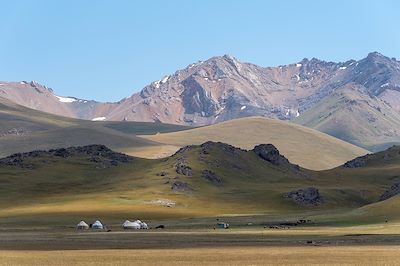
[(308, 196), (207, 147), (102, 156), (357, 162), (211, 177), (182, 168), (271, 154), (391, 192), (180, 186), (184, 150)]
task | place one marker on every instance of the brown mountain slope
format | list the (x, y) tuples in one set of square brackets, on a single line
[(36, 96), (356, 117)]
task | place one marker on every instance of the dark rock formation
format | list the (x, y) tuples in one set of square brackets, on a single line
[(391, 192), (182, 168), (357, 162), (211, 176), (180, 186), (271, 154), (306, 196), (207, 147), (99, 154), (183, 150)]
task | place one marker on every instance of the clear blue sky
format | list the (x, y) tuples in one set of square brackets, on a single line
[(106, 50)]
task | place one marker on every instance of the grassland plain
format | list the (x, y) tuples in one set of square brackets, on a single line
[(374, 244), (342, 255), (304, 146)]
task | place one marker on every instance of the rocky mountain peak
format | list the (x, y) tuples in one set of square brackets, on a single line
[(37, 86), (375, 55), (376, 59)]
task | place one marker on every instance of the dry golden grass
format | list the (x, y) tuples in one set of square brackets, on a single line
[(304, 146), (151, 151), (343, 255)]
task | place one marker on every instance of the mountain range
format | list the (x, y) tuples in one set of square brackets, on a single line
[(356, 101)]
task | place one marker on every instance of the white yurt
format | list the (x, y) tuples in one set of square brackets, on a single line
[(82, 225), (143, 225), (130, 225), (97, 225)]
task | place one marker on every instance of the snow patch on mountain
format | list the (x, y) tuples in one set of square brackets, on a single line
[(101, 118), (66, 99), (164, 79)]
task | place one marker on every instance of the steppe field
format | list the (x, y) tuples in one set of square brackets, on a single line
[(376, 244)]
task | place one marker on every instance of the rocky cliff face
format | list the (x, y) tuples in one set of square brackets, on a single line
[(224, 88)]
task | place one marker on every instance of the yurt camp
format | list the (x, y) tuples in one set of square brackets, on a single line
[(130, 225)]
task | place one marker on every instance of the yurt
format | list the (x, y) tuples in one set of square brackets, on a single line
[(143, 225), (97, 225), (130, 225), (82, 225)]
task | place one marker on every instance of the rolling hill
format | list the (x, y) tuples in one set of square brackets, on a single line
[(23, 129), (199, 180), (304, 146)]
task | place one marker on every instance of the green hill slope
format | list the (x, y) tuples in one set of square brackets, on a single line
[(206, 180)]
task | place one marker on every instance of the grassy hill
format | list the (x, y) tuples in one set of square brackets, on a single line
[(198, 181), (364, 120), (307, 147), (23, 129)]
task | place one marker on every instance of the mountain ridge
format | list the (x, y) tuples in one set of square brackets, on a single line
[(223, 88)]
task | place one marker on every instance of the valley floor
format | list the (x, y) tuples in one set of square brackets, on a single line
[(377, 244)]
